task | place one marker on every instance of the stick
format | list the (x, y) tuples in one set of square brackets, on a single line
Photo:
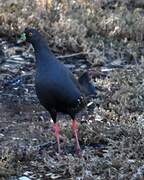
[(75, 54)]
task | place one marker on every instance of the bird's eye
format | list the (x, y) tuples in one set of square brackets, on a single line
[(30, 33)]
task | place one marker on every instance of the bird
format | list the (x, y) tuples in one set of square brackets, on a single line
[(56, 87)]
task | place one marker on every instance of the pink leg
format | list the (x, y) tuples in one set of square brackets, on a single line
[(57, 133), (75, 129)]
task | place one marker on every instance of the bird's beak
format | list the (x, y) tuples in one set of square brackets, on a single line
[(22, 38)]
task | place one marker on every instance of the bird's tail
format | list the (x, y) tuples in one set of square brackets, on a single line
[(87, 85)]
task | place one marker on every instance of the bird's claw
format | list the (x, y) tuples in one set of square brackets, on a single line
[(78, 151)]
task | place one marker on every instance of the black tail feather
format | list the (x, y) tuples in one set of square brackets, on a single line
[(88, 87)]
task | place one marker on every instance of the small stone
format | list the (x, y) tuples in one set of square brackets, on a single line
[(24, 178), (28, 173)]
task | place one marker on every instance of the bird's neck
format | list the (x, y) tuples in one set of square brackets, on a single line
[(42, 52), (40, 45)]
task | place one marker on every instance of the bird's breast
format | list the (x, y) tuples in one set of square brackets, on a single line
[(44, 90)]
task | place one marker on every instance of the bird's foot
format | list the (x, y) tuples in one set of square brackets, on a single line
[(77, 148), (74, 125), (78, 151), (56, 128), (75, 129), (57, 134), (59, 149)]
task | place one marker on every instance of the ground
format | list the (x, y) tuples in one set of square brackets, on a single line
[(103, 37), (111, 137)]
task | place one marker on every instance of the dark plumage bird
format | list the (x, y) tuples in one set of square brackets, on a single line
[(56, 87)]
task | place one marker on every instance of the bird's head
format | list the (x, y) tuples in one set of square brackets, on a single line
[(30, 35)]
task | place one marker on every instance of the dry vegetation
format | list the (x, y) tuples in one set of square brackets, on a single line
[(108, 31)]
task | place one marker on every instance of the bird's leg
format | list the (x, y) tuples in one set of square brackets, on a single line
[(75, 129), (57, 134)]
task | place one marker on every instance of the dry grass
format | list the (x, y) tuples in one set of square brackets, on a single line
[(74, 26), (108, 31)]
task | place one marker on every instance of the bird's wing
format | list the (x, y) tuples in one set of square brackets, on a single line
[(75, 81), (67, 89), (84, 84)]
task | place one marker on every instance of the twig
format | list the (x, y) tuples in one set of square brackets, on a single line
[(90, 129), (75, 54), (70, 55)]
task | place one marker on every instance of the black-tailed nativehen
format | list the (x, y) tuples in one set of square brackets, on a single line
[(56, 87)]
